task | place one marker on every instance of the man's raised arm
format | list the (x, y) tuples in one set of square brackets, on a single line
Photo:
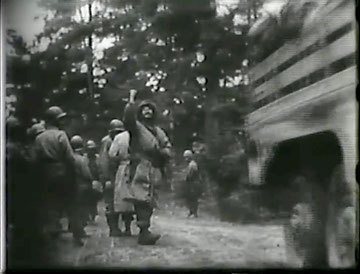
[(130, 112)]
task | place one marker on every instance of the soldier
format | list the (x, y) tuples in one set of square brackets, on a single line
[(120, 157), (108, 177), (150, 152), (32, 133), (34, 204), (16, 180), (82, 193), (93, 160), (55, 158), (193, 184)]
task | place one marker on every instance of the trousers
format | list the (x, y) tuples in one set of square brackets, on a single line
[(143, 211), (79, 213)]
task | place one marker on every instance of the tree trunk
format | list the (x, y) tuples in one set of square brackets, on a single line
[(249, 11), (90, 75), (211, 124), (255, 7)]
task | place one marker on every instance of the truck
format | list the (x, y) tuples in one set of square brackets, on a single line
[(302, 136)]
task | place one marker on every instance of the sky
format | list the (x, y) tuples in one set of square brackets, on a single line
[(20, 15)]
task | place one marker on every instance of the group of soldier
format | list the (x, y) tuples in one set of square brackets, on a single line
[(56, 177)]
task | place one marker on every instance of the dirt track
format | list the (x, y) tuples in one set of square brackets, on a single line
[(189, 243)]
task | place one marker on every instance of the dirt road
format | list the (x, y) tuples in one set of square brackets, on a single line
[(189, 243)]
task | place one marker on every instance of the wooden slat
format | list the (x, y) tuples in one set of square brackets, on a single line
[(329, 23), (335, 82), (320, 59)]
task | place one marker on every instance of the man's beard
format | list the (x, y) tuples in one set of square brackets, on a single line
[(149, 118)]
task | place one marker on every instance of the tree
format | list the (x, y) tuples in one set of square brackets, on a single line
[(95, 51)]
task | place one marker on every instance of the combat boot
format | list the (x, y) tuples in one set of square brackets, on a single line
[(83, 234), (127, 228), (78, 241), (115, 232), (112, 220), (147, 238)]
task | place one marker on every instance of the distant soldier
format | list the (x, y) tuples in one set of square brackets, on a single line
[(35, 185), (108, 177), (150, 151), (192, 184), (120, 156), (82, 192), (55, 158), (93, 160)]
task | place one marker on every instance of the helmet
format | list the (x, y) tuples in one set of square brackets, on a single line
[(12, 122), (90, 144), (35, 129), (188, 153), (116, 125), (54, 113), (77, 142)]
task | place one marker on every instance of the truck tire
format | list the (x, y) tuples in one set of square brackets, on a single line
[(304, 231), (341, 222)]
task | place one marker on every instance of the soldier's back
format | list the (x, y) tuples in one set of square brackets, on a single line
[(48, 144), (82, 171)]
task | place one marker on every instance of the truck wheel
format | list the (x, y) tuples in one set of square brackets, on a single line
[(305, 229), (341, 223)]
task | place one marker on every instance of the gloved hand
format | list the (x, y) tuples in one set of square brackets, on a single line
[(96, 185), (108, 184)]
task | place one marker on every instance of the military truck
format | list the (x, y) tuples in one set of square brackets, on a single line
[(302, 136)]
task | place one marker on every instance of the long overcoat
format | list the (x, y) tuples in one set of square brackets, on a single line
[(150, 151), (120, 157)]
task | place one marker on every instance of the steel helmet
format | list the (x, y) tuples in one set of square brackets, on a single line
[(77, 142), (12, 122), (54, 113), (35, 129), (116, 125), (188, 153), (90, 144)]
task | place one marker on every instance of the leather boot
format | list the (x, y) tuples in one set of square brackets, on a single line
[(112, 220), (127, 228), (115, 232), (147, 238), (78, 241)]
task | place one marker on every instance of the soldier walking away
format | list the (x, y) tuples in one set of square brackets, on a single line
[(120, 157), (93, 160), (192, 184), (150, 152), (82, 193), (108, 177), (55, 158), (17, 181), (34, 190)]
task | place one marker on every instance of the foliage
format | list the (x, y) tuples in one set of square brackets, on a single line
[(91, 53), (225, 163)]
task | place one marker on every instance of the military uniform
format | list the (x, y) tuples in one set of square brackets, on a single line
[(108, 172), (193, 187), (55, 158), (17, 190), (120, 157), (82, 197), (150, 151), (35, 188), (111, 217), (93, 162)]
